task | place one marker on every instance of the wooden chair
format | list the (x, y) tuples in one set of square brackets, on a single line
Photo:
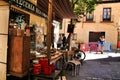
[(75, 64)]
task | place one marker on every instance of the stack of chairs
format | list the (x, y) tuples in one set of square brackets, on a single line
[(94, 46), (73, 64)]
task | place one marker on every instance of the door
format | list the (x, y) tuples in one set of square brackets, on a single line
[(94, 36)]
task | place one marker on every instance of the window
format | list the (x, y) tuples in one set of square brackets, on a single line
[(60, 26), (107, 14), (89, 16), (94, 36)]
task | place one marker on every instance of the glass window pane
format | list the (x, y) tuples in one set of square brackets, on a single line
[(89, 16), (107, 13)]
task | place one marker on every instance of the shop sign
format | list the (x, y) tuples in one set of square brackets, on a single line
[(28, 6)]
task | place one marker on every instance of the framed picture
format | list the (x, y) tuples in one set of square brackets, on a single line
[(74, 36)]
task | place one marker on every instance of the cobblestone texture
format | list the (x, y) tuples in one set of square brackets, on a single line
[(99, 67)]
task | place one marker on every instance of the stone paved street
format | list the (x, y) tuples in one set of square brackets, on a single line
[(99, 67), (96, 67)]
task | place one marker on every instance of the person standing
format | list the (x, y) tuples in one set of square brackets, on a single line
[(64, 40), (102, 40), (59, 43)]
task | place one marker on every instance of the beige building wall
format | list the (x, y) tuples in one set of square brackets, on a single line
[(4, 17), (110, 28)]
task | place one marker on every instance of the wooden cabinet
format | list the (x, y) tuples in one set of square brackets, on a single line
[(18, 55)]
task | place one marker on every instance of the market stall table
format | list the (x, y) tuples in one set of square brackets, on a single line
[(54, 75)]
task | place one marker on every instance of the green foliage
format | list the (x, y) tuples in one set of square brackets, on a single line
[(82, 7)]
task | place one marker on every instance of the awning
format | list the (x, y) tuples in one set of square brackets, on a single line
[(61, 8)]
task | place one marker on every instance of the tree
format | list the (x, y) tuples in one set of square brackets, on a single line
[(81, 8)]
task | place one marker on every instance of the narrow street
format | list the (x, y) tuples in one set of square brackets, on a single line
[(104, 66), (99, 67)]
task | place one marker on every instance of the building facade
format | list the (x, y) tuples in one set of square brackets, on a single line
[(9, 13), (103, 21)]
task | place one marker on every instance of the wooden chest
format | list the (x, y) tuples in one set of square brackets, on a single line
[(18, 55)]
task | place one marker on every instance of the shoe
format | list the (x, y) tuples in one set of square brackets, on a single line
[(101, 52)]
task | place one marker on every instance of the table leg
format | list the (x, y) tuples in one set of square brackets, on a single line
[(61, 77)]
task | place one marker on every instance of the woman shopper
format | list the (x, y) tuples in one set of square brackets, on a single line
[(102, 41)]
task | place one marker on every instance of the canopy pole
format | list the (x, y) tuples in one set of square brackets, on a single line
[(50, 4)]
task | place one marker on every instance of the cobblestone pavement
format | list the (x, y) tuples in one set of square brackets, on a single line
[(99, 67)]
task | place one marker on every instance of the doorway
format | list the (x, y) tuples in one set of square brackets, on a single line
[(94, 36)]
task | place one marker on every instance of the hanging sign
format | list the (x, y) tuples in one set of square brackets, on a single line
[(26, 5)]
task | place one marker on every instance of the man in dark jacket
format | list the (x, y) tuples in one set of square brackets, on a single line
[(64, 40)]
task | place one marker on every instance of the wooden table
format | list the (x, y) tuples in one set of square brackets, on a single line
[(54, 74), (56, 57)]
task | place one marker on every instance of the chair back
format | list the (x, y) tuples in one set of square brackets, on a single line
[(70, 54)]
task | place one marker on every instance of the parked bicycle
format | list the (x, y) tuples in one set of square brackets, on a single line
[(79, 55)]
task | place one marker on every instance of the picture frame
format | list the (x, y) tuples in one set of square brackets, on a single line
[(74, 36)]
